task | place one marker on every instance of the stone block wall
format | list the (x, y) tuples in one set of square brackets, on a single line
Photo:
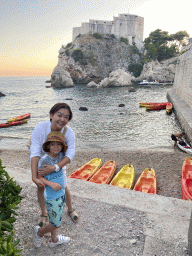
[(183, 77), (125, 25)]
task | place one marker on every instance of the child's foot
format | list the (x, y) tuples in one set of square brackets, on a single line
[(37, 240), (42, 220), (60, 240), (74, 216)]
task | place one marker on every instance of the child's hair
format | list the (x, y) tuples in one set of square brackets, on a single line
[(58, 106), (55, 136)]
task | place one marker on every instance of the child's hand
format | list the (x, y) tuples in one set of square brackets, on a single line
[(56, 186), (46, 169)]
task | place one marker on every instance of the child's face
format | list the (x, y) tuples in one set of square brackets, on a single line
[(55, 147)]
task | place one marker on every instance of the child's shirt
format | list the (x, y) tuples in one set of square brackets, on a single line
[(56, 177)]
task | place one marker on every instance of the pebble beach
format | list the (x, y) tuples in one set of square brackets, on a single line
[(167, 163)]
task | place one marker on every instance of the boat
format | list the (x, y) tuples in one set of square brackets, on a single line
[(86, 171), (5, 125), (143, 104), (144, 82), (154, 82), (19, 118), (169, 108), (184, 146), (105, 174), (147, 182), (156, 106), (125, 177), (186, 179)]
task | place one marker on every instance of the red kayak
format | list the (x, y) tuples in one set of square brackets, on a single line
[(5, 125), (19, 118), (144, 104), (186, 179), (156, 106)]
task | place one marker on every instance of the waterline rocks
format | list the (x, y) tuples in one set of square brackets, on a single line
[(116, 78)]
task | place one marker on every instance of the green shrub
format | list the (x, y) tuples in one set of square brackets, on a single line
[(78, 55), (9, 199), (124, 40), (135, 69), (67, 52), (97, 35), (68, 45)]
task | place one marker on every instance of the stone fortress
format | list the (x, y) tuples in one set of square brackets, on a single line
[(125, 25)]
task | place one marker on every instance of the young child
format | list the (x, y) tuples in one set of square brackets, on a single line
[(54, 190)]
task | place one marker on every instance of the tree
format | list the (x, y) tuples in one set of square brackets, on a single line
[(160, 45)]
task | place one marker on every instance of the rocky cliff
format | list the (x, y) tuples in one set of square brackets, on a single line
[(89, 59)]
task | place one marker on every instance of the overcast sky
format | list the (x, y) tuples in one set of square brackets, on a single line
[(32, 31)]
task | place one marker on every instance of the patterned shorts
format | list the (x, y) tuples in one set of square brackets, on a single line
[(55, 210)]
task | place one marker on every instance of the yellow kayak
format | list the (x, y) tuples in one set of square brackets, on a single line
[(86, 171), (125, 177)]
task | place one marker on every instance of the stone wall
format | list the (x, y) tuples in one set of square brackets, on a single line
[(125, 25), (183, 77)]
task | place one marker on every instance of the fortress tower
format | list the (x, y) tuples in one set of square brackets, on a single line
[(125, 25)]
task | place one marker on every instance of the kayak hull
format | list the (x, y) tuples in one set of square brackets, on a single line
[(186, 179), (105, 174), (125, 177), (186, 148), (86, 171), (169, 108), (19, 118), (147, 182), (5, 125)]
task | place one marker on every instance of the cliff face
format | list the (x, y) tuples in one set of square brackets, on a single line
[(94, 59), (90, 59)]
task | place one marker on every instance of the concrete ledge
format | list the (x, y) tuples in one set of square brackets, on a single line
[(183, 113)]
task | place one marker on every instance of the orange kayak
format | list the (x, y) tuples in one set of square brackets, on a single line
[(147, 182), (19, 118), (155, 107), (87, 170), (5, 125), (105, 174), (186, 179)]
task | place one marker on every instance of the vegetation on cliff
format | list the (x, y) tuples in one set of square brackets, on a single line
[(161, 46)]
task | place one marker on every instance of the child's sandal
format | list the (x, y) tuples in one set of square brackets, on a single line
[(74, 217), (42, 223)]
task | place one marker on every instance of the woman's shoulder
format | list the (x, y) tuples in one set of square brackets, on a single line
[(43, 124)]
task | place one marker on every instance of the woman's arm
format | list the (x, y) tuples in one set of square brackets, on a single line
[(34, 164)]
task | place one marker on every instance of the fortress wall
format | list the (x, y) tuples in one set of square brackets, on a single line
[(183, 77), (125, 25)]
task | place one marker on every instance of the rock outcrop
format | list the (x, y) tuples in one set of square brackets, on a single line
[(163, 72), (89, 59), (116, 78), (97, 59)]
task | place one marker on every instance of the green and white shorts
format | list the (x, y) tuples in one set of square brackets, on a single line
[(55, 210)]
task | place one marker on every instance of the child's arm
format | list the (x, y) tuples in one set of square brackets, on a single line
[(53, 185)]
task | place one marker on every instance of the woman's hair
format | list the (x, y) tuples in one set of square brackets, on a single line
[(58, 106)]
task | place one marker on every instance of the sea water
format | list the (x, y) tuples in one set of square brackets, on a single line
[(105, 125)]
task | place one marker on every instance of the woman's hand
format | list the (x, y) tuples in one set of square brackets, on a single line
[(46, 169)]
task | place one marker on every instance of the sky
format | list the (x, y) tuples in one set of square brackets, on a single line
[(33, 31)]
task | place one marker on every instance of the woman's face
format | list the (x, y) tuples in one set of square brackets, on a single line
[(59, 119)]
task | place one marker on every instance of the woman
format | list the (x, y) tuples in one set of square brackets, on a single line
[(60, 115)]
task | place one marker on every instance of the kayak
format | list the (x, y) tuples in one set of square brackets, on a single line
[(5, 125), (19, 118), (186, 179), (169, 108), (184, 146), (155, 107), (143, 104), (147, 182), (125, 177), (105, 174), (86, 171)]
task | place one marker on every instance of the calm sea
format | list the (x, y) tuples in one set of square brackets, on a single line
[(104, 125)]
